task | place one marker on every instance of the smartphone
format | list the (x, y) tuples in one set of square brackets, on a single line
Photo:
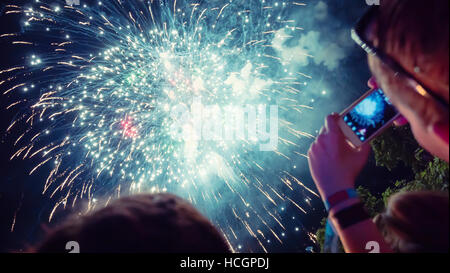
[(368, 117)]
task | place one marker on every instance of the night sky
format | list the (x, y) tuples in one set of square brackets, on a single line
[(340, 69)]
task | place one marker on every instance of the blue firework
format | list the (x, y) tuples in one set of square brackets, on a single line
[(370, 112)]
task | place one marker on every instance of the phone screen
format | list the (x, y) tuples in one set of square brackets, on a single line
[(370, 115)]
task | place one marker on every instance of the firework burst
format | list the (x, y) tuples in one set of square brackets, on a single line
[(98, 89)]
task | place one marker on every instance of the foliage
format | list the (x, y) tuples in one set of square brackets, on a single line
[(320, 233), (373, 204), (396, 146), (435, 177)]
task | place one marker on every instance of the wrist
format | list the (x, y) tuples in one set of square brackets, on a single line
[(343, 205), (340, 198), (328, 192), (350, 215)]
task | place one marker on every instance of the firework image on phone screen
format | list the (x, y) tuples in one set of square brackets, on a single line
[(368, 117)]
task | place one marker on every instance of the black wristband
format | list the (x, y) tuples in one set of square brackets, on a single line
[(351, 216)]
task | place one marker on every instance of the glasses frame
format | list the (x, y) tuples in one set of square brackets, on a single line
[(358, 35)]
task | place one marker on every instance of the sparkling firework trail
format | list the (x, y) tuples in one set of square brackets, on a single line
[(101, 81)]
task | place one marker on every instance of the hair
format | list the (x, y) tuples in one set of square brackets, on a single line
[(416, 28), (416, 222), (160, 223)]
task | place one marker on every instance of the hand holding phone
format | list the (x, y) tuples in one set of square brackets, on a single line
[(333, 163), (368, 117)]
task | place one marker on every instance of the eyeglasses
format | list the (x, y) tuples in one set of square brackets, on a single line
[(359, 36)]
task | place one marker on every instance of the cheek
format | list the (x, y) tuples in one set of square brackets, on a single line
[(376, 68), (420, 133), (381, 75), (384, 81), (410, 104), (372, 67), (419, 111), (428, 140)]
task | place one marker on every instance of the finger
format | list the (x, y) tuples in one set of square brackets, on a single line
[(332, 124), (312, 151), (401, 121), (334, 135), (322, 131), (372, 83), (321, 140)]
